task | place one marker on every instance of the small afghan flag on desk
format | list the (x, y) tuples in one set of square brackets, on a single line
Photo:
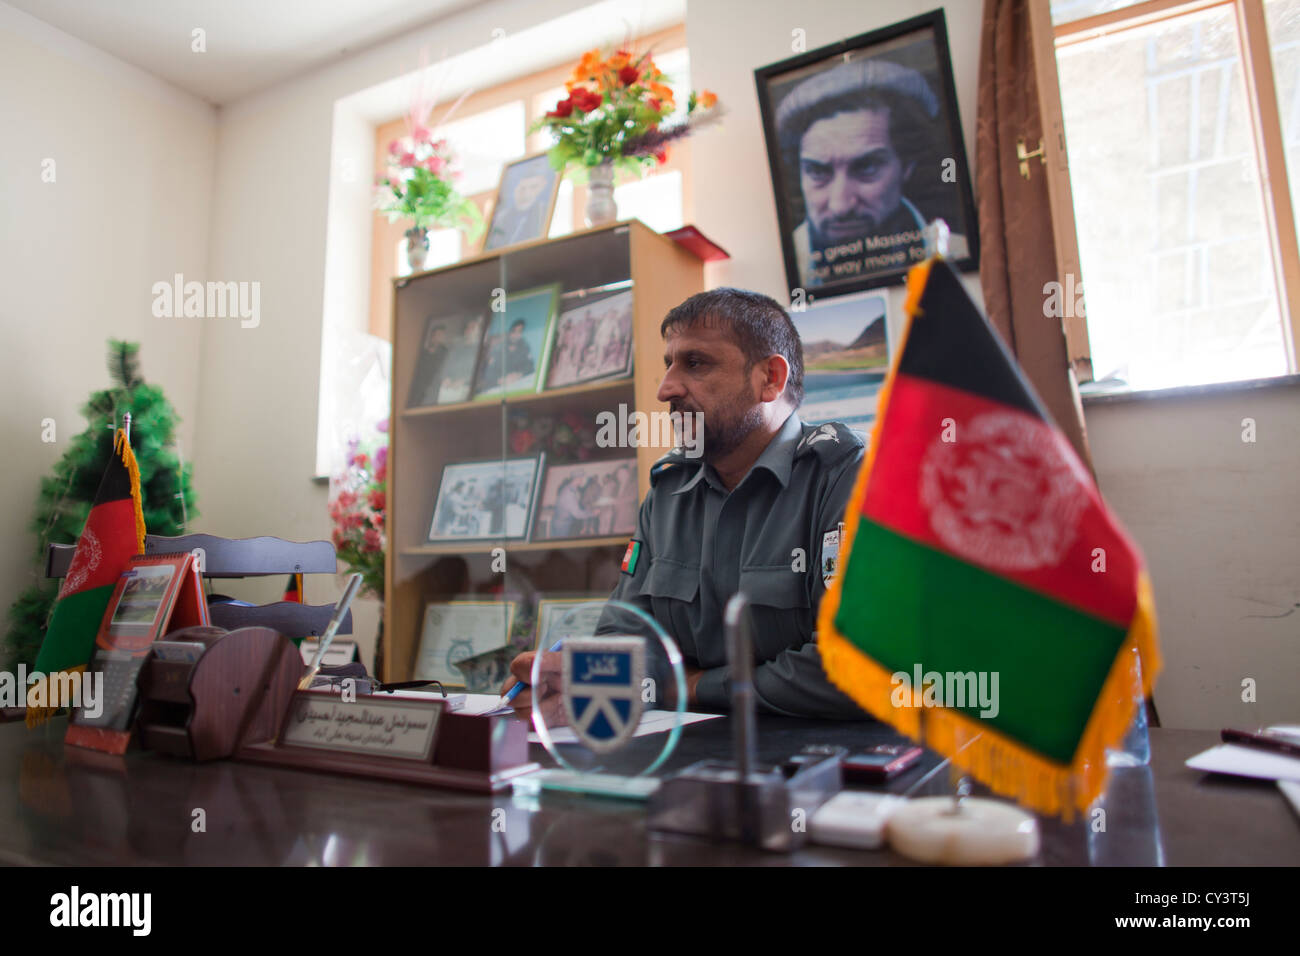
[(113, 534), (978, 545)]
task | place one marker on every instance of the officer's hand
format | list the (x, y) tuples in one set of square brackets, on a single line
[(550, 679)]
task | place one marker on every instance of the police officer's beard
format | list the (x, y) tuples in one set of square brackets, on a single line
[(728, 426)]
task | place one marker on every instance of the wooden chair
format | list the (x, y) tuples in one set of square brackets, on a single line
[(244, 558)]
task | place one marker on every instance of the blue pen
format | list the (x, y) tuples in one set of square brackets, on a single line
[(513, 692)]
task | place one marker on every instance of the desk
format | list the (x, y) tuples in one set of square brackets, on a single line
[(68, 806)]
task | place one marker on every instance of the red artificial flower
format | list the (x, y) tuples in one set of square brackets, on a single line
[(372, 540), (563, 109), (662, 155), (347, 499), (381, 472), (628, 75), (376, 499), (361, 460), (654, 104), (584, 100)]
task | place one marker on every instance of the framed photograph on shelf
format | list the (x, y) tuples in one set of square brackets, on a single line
[(449, 350), (558, 618), (865, 147), (485, 500), (516, 344), (524, 203), (457, 631), (593, 341), (588, 499)]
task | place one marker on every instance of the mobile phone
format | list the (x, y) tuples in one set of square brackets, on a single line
[(810, 754), (879, 763)]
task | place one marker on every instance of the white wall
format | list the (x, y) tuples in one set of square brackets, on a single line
[(129, 206), (1219, 521)]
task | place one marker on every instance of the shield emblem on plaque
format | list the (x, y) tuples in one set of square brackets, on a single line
[(602, 689)]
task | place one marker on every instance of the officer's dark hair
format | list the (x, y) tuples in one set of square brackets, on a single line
[(757, 324), (517, 324)]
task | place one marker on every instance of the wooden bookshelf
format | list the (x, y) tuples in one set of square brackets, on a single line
[(423, 441)]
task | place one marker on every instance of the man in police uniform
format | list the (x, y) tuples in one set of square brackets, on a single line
[(760, 512)]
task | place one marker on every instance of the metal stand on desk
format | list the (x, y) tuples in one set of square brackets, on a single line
[(741, 800)]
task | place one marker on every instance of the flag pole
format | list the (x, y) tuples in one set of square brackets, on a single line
[(126, 426), (935, 235)]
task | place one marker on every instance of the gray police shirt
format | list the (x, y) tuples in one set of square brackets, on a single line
[(774, 537)]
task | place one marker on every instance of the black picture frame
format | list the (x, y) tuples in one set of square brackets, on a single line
[(837, 258)]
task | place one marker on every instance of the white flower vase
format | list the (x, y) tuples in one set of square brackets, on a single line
[(601, 208), (417, 248)]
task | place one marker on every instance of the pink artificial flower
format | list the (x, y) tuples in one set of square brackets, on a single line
[(393, 147), (422, 134), (373, 542), (434, 164), (407, 159)]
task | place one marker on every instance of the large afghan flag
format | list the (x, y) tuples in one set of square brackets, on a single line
[(113, 534), (978, 545)]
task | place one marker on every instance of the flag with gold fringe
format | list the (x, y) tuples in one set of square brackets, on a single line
[(113, 534), (977, 546)]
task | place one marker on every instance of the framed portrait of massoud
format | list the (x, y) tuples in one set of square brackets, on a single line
[(864, 146)]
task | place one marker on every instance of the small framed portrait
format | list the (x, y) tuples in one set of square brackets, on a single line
[(449, 350), (593, 341), (524, 204), (485, 500), (589, 499), (562, 617), (516, 344), (865, 148), (456, 632)]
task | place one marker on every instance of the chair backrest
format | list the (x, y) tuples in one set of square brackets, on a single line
[(243, 558)]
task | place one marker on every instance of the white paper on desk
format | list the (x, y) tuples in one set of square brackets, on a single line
[(1247, 762), (652, 722)]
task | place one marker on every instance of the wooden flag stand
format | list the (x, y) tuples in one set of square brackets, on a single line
[(238, 698)]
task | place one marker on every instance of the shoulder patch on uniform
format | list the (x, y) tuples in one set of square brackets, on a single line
[(830, 441)]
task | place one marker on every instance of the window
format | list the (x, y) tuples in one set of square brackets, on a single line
[(1169, 142)]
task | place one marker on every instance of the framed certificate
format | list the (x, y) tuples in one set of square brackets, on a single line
[(455, 631)]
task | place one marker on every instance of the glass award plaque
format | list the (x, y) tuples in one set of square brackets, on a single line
[(608, 696)]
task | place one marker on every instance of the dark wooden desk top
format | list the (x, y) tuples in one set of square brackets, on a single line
[(67, 806)]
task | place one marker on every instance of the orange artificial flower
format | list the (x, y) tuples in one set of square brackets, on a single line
[(588, 67), (618, 61), (663, 92), (706, 99)]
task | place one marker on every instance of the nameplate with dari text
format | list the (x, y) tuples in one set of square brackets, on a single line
[(404, 729)]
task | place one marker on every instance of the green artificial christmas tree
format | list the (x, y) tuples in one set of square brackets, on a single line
[(166, 486)]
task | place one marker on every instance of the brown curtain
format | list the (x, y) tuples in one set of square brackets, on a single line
[(1017, 253)]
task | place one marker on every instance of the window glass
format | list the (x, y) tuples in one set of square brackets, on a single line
[(1168, 202), (484, 142)]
